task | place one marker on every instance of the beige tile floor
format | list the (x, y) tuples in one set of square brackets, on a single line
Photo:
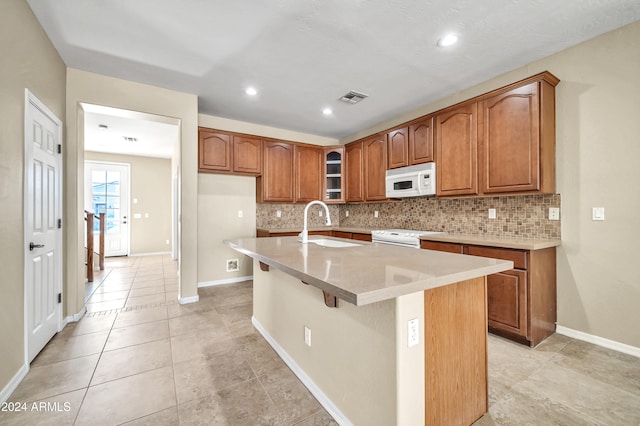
[(140, 358)]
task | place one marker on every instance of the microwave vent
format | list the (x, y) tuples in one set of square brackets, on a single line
[(352, 97)]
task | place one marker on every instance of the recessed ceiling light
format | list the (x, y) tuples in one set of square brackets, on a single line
[(251, 91), (327, 111), (447, 40)]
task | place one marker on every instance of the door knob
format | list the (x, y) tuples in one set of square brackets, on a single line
[(33, 246)]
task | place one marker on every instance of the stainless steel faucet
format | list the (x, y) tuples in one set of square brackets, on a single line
[(303, 237)]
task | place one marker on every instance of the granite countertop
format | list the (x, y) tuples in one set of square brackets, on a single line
[(366, 273), (492, 241)]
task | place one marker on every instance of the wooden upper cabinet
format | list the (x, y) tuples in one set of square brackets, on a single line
[(398, 147), (226, 152), (247, 155), (375, 168), (276, 182), (215, 150), (354, 163), (457, 151), (421, 142), (334, 174), (517, 142), (308, 166)]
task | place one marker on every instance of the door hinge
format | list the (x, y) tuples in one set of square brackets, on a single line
[(59, 149), (59, 223), (59, 297)]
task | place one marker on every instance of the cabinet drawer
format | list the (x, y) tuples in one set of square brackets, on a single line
[(518, 257), (448, 247), (361, 237), (341, 234)]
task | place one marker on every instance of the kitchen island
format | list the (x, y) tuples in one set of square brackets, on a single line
[(365, 360)]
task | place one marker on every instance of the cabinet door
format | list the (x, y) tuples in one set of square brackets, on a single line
[(308, 166), (277, 174), (354, 172), (375, 167), (510, 141), (440, 246), (334, 173), (506, 301), (215, 151), (247, 155), (457, 151), (398, 146), (421, 142)]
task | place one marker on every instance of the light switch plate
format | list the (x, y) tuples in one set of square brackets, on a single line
[(279, 213), (413, 329), (492, 213), (554, 213), (597, 213), (240, 213), (375, 213), (307, 336)]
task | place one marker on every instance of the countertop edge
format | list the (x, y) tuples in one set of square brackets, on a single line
[(489, 241)]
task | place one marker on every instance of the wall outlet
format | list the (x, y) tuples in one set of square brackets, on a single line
[(346, 213), (597, 213), (166, 242), (492, 213), (232, 265), (375, 213), (307, 336), (135, 201), (240, 213), (413, 329), (554, 213), (320, 213), (279, 213)]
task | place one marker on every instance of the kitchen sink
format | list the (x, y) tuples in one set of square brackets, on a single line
[(324, 242)]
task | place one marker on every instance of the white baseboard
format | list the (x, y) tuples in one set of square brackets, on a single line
[(227, 281), (13, 383), (75, 317), (158, 253), (185, 300), (600, 341), (322, 398)]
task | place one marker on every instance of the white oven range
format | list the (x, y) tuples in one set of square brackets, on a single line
[(400, 237)]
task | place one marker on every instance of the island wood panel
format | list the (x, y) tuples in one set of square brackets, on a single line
[(455, 339)]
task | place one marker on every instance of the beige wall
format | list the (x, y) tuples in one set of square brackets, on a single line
[(29, 60), (597, 151), (150, 183), (220, 197), (98, 89)]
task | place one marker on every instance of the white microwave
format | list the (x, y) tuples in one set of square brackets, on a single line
[(411, 181)]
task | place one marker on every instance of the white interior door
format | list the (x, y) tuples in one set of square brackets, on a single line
[(107, 191), (43, 248)]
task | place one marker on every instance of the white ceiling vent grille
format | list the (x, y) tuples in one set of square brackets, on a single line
[(352, 97)]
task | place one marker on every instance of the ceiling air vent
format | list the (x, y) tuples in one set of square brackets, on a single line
[(129, 139), (352, 97)]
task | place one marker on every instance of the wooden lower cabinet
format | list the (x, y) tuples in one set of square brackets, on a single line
[(522, 301), (328, 233)]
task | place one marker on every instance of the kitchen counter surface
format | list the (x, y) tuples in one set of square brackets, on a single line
[(491, 241), (366, 273)]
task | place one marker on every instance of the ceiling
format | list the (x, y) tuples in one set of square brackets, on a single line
[(302, 55), (118, 131)]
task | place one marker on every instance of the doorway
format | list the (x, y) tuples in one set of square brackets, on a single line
[(107, 191), (43, 223)]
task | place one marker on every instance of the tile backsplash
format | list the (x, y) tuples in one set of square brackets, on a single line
[(521, 216)]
